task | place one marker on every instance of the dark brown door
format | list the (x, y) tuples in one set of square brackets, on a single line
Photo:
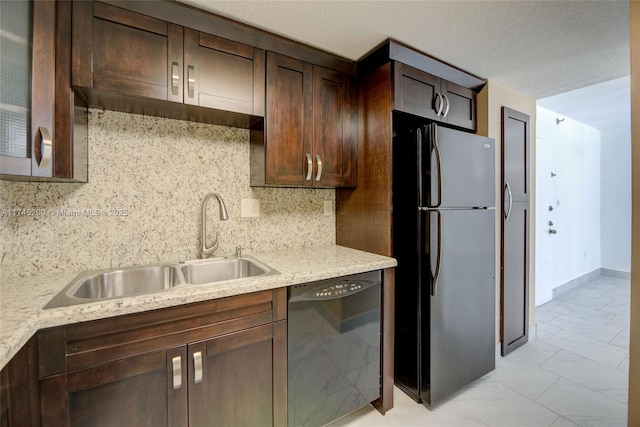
[(47, 121), (120, 51), (223, 74), (417, 92), (231, 379), (515, 230), (138, 391), (19, 391), (29, 122), (332, 114), (289, 123), (460, 106), (420, 93)]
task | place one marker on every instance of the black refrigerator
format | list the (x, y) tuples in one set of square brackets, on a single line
[(444, 241)]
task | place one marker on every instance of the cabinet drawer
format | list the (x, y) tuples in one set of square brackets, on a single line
[(91, 343)]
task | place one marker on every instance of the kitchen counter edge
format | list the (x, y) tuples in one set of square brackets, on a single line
[(22, 299)]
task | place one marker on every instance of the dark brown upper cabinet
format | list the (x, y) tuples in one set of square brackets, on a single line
[(425, 86), (223, 74), (43, 134), (308, 138), (128, 61), (120, 51), (425, 95)]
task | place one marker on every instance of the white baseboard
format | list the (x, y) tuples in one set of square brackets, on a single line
[(578, 281), (615, 273)]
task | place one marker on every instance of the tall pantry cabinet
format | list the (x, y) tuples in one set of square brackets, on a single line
[(514, 257)]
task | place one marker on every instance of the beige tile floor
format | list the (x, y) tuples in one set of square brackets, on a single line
[(572, 372)]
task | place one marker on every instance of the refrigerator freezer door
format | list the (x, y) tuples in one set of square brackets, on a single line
[(458, 322), (458, 169)]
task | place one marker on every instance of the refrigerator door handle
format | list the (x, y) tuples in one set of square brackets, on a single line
[(419, 165), (436, 274), (507, 188), (434, 144)]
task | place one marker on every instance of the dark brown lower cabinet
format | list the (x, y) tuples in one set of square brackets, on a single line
[(218, 363), (19, 389), (234, 383), (127, 392)]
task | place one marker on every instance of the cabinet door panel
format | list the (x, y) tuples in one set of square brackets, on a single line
[(515, 279), (515, 152), (27, 87), (236, 386), (415, 91), (121, 67), (462, 106), (19, 390), (289, 127), (332, 126), (225, 74), (126, 52), (43, 84), (127, 392)]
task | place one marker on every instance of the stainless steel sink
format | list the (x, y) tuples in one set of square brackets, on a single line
[(224, 269), (130, 281), (107, 284)]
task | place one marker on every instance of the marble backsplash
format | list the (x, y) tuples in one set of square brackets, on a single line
[(147, 179)]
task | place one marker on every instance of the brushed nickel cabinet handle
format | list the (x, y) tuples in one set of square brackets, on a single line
[(309, 167), (197, 367), (175, 77), (439, 104), (191, 80), (507, 188), (319, 161), (177, 372), (46, 147), (446, 109)]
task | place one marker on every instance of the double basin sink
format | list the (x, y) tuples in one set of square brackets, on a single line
[(107, 284)]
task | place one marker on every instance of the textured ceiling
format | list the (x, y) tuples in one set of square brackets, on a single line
[(539, 48), (604, 106)]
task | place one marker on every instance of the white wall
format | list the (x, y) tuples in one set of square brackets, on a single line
[(615, 196), (571, 150)]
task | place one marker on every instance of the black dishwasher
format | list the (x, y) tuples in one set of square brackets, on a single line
[(333, 347)]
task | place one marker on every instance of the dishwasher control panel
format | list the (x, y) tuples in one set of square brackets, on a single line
[(337, 287), (336, 290)]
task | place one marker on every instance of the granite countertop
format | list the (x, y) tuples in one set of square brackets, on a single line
[(22, 299)]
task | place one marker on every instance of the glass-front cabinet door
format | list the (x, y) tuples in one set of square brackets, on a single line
[(27, 74)]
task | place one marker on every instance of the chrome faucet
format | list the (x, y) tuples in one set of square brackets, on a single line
[(206, 252)]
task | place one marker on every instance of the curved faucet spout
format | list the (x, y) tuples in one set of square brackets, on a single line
[(206, 252)]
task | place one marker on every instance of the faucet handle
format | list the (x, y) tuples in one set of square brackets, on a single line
[(239, 251)]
